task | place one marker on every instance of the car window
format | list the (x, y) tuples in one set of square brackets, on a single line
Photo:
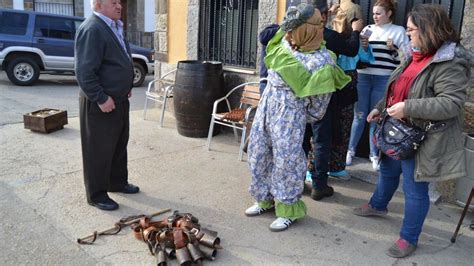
[(51, 27), (78, 23), (13, 23)]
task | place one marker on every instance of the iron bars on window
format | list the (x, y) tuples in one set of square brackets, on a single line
[(228, 32)]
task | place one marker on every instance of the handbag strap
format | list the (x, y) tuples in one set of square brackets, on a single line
[(428, 123)]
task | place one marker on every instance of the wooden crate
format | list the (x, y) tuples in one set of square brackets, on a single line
[(45, 120)]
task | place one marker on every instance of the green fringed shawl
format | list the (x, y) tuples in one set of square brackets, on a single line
[(327, 79)]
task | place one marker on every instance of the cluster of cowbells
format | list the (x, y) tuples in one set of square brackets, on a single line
[(179, 236)]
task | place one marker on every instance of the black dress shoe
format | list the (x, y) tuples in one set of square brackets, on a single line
[(128, 189), (105, 204)]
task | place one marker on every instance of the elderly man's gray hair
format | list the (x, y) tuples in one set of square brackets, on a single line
[(93, 2)]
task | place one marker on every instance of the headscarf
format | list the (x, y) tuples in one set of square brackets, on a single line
[(309, 35), (304, 25)]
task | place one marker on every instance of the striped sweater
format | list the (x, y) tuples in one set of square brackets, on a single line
[(385, 60)]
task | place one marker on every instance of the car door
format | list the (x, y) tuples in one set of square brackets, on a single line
[(54, 36)]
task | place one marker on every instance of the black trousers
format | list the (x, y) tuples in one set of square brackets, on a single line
[(104, 139)]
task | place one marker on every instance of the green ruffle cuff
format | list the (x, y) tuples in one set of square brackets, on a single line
[(293, 211), (327, 79), (267, 204)]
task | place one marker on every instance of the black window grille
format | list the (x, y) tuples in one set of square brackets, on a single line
[(228, 32)]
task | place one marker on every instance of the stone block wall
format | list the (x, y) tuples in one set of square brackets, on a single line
[(161, 37), (6, 3), (467, 34), (447, 189), (193, 28), (28, 4), (79, 8)]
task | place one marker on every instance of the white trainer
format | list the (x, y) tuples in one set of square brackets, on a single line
[(349, 156), (375, 163), (281, 224), (256, 210)]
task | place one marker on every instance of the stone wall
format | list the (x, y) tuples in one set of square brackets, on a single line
[(79, 8), (6, 3), (193, 29), (447, 189), (467, 34), (140, 15), (161, 37), (28, 4)]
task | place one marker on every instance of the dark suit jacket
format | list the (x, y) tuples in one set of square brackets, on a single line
[(101, 64)]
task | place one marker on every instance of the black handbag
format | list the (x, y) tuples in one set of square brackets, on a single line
[(398, 139)]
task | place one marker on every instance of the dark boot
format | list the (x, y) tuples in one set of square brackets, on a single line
[(319, 194)]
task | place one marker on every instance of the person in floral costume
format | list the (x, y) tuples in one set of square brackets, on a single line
[(302, 74)]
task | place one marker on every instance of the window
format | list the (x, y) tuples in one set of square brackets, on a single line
[(51, 27), (65, 7), (228, 32), (13, 23)]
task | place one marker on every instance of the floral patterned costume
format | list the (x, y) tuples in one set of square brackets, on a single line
[(276, 158)]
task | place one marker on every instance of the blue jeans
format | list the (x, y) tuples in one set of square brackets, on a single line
[(370, 89), (417, 201)]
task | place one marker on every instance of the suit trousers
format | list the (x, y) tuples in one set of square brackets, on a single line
[(104, 139)]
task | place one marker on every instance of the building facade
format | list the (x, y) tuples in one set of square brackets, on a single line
[(217, 30)]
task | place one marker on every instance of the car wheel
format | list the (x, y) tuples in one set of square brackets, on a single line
[(23, 71), (138, 74)]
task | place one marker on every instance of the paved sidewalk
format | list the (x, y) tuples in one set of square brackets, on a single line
[(44, 211)]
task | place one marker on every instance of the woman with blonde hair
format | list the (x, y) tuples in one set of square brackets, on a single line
[(427, 91), (384, 39)]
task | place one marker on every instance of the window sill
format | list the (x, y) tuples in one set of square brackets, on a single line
[(240, 70)]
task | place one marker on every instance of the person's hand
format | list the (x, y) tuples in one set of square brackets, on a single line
[(333, 9), (364, 42), (390, 45), (108, 106), (397, 110), (373, 116), (357, 25), (129, 94)]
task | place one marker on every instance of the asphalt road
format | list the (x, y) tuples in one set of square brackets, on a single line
[(51, 91)]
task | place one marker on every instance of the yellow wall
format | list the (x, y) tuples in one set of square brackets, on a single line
[(281, 10), (177, 30)]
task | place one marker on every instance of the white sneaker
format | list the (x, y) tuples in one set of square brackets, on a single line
[(256, 210), (281, 224), (375, 163), (349, 156)]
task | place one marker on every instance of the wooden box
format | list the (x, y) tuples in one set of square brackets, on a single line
[(45, 120)]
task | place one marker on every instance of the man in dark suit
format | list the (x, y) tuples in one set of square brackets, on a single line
[(104, 72)]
